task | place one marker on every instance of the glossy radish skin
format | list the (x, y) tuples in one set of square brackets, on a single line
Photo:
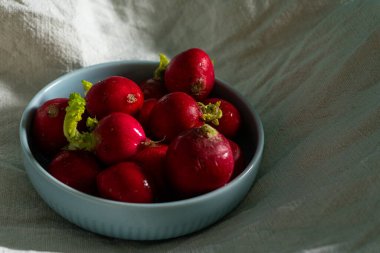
[(114, 94), (229, 123), (77, 169), (174, 113), (191, 71), (151, 156), (48, 126), (199, 160), (125, 182), (153, 88), (117, 137)]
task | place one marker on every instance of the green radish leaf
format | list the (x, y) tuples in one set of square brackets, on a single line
[(74, 111)]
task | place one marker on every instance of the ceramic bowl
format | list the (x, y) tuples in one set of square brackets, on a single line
[(138, 221)]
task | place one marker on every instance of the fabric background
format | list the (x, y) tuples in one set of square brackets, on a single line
[(309, 68)]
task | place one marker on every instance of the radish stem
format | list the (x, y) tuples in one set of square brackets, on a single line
[(159, 72), (86, 86), (211, 112)]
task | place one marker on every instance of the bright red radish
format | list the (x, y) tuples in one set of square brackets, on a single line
[(230, 121), (77, 169), (117, 137), (48, 126), (191, 71), (151, 156), (125, 182), (114, 94), (174, 113), (114, 139), (199, 160)]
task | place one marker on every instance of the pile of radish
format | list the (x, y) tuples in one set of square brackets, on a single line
[(161, 140)]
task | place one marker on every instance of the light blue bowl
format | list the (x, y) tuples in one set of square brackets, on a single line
[(138, 221)]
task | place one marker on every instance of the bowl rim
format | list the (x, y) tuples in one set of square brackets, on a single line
[(183, 202)]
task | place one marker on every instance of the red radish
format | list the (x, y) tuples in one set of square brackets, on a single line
[(153, 88), (191, 71), (230, 121), (48, 126), (199, 160), (145, 112), (114, 139), (124, 182), (114, 94), (117, 137), (239, 160), (152, 157), (174, 113), (77, 169)]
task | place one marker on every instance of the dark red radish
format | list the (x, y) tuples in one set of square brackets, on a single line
[(114, 94), (191, 71), (229, 122), (117, 137), (48, 126), (199, 160), (174, 113), (125, 182), (153, 88), (151, 156), (239, 160), (77, 169), (145, 111)]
